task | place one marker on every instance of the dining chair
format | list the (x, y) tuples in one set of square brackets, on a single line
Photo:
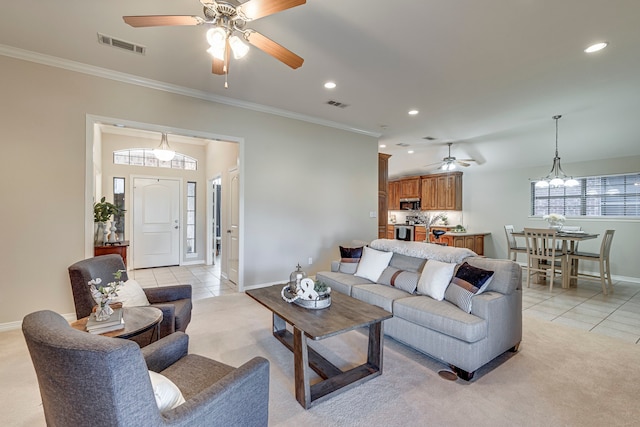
[(512, 245), (601, 258), (542, 254)]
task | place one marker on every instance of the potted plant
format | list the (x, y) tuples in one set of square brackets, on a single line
[(103, 211)]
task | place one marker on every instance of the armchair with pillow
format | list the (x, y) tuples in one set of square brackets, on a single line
[(174, 301), (87, 379)]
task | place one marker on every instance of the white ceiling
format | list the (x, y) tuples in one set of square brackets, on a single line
[(487, 75)]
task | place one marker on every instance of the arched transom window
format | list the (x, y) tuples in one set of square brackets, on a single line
[(145, 157)]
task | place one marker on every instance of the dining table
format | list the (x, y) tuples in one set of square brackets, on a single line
[(569, 240)]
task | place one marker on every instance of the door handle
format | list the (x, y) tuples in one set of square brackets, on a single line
[(228, 231), (176, 227)]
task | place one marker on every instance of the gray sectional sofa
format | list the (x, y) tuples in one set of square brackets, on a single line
[(442, 330)]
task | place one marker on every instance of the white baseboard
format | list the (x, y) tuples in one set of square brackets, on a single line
[(12, 326)]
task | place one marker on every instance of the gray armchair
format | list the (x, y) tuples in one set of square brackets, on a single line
[(174, 301), (92, 380)]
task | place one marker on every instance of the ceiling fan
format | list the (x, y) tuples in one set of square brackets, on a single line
[(227, 20), (449, 163)]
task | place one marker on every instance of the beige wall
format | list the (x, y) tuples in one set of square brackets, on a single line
[(491, 200), (306, 188)]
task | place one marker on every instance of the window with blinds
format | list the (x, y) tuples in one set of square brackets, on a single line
[(596, 196)]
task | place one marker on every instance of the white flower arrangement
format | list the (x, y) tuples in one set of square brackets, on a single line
[(429, 218), (554, 217), (103, 294)]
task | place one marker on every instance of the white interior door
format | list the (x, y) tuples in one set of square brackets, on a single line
[(156, 222), (233, 240)]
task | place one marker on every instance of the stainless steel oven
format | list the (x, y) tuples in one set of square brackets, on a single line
[(410, 204), (404, 232)]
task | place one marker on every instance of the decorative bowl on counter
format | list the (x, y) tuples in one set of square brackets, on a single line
[(458, 229)]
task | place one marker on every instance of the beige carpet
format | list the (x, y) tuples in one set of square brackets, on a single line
[(560, 377)]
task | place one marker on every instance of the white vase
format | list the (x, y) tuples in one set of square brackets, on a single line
[(112, 236), (98, 233), (556, 224)]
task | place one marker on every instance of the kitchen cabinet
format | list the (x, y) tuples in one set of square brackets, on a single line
[(428, 195), (473, 241), (441, 192), (393, 194), (449, 191), (391, 231), (419, 233), (409, 188)]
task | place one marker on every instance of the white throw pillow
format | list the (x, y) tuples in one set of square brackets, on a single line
[(167, 394), (373, 263), (131, 295), (435, 278)]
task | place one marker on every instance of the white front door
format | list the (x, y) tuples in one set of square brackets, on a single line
[(233, 239), (156, 222)]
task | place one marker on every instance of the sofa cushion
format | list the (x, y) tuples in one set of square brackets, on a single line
[(404, 280), (407, 263), (340, 282), (467, 282), (349, 259), (441, 316), (373, 263), (435, 278), (378, 295)]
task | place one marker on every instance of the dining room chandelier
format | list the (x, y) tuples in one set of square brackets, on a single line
[(556, 177)]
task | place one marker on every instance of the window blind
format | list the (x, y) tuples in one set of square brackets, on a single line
[(596, 196)]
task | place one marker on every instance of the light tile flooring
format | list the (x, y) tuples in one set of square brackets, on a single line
[(584, 307), (205, 280)]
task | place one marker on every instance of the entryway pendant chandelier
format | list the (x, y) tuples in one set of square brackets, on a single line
[(164, 152), (556, 177)]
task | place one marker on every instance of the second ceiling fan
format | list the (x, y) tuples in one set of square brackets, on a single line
[(228, 32)]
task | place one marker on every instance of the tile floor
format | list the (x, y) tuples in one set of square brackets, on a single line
[(584, 307), (205, 280)]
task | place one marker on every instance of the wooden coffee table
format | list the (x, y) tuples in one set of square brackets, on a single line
[(137, 321), (344, 314)]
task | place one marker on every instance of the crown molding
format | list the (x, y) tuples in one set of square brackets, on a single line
[(105, 73)]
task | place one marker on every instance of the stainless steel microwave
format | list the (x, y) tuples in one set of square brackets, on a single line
[(410, 204)]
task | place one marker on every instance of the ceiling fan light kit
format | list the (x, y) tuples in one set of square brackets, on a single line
[(450, 163), (556, 177), (227, 20)]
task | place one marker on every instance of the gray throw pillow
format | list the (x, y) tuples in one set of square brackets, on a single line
[(404, 280)]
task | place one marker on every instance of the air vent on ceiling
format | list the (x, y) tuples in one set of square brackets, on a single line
[(429, 138), (337, 104), (402, 144), (121, 44)]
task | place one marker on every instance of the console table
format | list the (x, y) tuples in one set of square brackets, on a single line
[(119, 248)]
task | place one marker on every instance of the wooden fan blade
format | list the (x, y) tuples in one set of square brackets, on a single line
[(162, 20), (254, 9), (218, 66), (467, 160), (279, 52), (461, 163)]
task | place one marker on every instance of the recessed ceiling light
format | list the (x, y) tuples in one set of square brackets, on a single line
[(596, 47), (382, 146), (413, 112), (410, 151), (329, 85)]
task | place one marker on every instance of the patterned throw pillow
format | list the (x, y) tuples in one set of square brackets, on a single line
[(349, 259), (468, 281), (405, 280)]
